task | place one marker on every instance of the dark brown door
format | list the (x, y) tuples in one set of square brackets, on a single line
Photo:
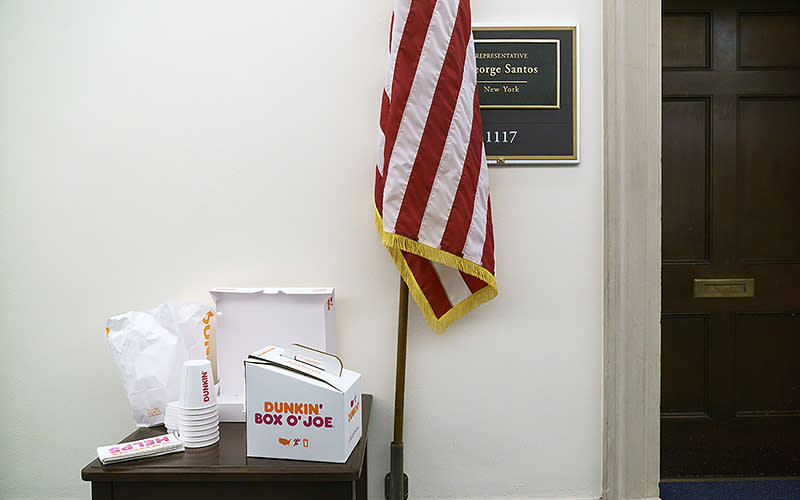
[(730, 398)]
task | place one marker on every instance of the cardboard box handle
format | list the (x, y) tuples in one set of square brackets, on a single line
[(330, 363)]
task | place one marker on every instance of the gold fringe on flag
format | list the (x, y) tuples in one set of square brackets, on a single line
[(397, 244)]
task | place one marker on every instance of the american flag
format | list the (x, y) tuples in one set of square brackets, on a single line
[(432, 186)]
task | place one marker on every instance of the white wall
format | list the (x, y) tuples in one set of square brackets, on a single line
[(152, 150)]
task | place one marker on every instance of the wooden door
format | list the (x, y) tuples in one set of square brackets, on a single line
[(730, 397)]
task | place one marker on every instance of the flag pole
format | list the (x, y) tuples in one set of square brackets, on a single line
[(396, 483)]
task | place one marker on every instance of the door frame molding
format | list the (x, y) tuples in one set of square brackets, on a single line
[(632, 233)]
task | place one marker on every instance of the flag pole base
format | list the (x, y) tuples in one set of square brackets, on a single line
[(396, 488)]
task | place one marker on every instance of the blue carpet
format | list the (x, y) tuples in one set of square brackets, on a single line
[(777, 489)]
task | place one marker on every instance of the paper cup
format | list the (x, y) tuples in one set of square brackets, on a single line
[(199, 435), (196, 427), (199, 412), (200, 444), (212, 427), (199, 439), (199, 427), (199, 418), (197, 385)]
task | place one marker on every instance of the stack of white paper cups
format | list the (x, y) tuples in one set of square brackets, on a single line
[(198, 418)]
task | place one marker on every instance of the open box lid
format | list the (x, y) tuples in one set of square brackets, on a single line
[(248, 318), (303, 360)]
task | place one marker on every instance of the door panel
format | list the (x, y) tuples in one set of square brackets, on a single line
[(731, 209), (685, 341), (694, 31), (767, 348), (768, 133), (765, 40), (685, 172)]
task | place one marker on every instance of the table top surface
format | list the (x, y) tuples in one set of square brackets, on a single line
[(227, 460)]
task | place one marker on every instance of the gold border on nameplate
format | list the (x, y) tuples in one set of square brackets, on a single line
[(504, 160)]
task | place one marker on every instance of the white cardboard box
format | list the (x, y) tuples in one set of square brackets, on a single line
[(249, 318), (301, 405)]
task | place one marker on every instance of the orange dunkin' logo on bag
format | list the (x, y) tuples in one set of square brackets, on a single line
[(207, 331)]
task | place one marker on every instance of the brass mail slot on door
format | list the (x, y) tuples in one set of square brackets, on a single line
[(724, 288)]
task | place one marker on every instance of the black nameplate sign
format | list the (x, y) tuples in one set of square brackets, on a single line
[(527, 87)]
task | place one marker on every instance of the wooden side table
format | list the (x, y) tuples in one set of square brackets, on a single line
[(224, 471)]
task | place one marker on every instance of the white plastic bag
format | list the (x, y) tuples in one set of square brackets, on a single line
[(150, 348)]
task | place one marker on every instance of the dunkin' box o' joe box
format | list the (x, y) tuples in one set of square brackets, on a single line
[(302, 404)]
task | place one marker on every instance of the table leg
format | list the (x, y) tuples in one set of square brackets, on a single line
[(361, 482)]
